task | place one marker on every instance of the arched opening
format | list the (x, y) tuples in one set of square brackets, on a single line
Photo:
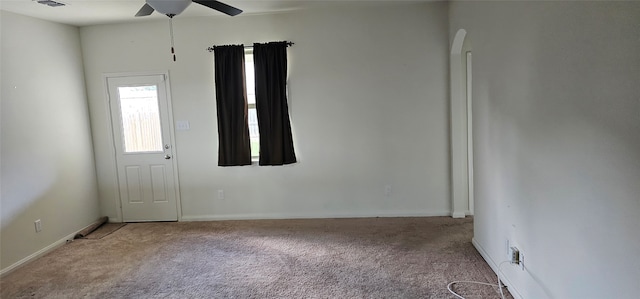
[(461, 126)]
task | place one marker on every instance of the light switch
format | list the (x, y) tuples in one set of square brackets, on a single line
[(182, 125)]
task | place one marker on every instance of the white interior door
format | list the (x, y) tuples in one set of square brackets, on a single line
[(141, 130)]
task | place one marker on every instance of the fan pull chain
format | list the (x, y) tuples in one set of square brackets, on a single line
[(171, 32)]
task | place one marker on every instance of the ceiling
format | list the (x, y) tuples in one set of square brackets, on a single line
[(93, 12)]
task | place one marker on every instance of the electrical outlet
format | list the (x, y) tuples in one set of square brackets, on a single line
[(387, 190), (220, 194), (521, 261), (38, 225), (515, 255)]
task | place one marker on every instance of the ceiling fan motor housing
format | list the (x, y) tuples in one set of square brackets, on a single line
[(169, 7)]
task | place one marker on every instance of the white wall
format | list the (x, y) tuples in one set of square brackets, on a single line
[(557, 146), (47, 167), (368, 100)]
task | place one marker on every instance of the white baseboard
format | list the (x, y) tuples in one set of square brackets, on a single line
[(494, 267), (458, 214), (258, 216), (40, 253)]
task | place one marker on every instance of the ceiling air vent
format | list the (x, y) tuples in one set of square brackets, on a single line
[(50, 3)]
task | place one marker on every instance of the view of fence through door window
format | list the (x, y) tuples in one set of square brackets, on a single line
[(141, 129)]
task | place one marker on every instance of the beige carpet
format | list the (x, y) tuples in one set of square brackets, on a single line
[(319, 258)]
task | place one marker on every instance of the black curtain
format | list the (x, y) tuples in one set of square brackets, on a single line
[(276, 141), (234, 146)]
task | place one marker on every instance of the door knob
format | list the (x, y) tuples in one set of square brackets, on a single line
[(167, 157)]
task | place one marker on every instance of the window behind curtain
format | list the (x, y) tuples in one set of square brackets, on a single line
[(263, 98), (254, 132)]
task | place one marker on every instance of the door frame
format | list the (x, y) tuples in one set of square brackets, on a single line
[(461, 127), (469, 97), (111, 138)]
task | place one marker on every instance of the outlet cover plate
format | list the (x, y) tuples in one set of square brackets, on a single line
[(38, 225)]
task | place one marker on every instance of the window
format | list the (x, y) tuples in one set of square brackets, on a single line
[(261, 72), (254, 133), (140, 117)]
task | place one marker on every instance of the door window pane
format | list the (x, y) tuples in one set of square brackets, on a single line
[(141, 130)]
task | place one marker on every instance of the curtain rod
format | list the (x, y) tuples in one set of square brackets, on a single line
[(210, 49)]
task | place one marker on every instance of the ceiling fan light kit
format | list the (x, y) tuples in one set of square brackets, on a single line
[(169, 7)]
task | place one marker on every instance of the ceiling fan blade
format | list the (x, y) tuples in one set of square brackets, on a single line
[(145, 10), (221, 7)]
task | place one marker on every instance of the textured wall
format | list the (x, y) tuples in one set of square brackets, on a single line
[(368, 100), (557, 147), (48, 170)]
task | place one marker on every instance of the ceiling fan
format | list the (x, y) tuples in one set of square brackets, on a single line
[(173, 8)]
